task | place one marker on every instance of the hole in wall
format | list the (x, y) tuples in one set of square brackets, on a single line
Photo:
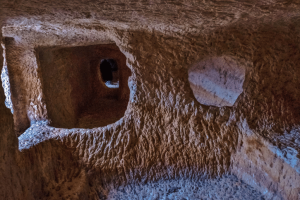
[(84, 87), (217, 81)]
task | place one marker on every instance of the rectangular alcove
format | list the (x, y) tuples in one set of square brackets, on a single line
[(80, 92)]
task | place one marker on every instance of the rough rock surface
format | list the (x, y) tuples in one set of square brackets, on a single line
[(165, 134), (227, 187)]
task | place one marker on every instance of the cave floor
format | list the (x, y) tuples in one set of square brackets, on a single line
[(226, 187), (102, 112)]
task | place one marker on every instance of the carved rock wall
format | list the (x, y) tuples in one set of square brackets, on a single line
[(165, 133)]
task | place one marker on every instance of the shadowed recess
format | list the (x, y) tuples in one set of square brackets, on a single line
[(85, 87)]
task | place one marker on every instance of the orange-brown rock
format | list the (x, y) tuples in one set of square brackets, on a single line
[(162, 141)]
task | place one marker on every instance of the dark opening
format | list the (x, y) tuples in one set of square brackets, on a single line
[(109, 73), (96, 78)]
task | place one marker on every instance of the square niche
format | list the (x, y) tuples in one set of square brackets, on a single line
[(84, 87)]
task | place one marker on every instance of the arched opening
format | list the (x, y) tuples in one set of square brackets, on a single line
[(91, 87), (109, 73)]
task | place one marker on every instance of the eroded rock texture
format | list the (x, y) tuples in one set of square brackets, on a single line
[(165, 134)]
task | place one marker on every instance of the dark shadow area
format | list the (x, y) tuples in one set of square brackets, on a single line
[(109, 73), (106, 71)]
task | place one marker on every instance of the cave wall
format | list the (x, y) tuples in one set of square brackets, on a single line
[(26, 93), (165, 132), (8, 141), (37, 174), (66, 85)]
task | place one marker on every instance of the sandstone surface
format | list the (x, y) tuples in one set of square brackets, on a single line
[(164, 133)]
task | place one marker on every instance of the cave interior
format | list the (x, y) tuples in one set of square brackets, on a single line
[(149, 100)]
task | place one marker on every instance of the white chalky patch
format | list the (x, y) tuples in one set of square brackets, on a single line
[(5, 82), (217, 81)]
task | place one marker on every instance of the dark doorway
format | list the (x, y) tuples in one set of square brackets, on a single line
[(109, 73)]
